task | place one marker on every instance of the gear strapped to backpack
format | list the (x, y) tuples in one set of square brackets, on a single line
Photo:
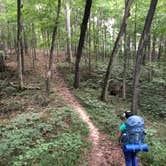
[(135, 130)]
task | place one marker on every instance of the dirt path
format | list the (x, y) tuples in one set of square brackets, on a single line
[(104, 152)]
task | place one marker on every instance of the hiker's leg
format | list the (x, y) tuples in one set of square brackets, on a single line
[(128, 158), (134, 159)]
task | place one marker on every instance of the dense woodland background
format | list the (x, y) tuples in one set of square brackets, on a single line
[(112, 55)]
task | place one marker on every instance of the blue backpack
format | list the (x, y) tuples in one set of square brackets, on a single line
[(135, 130)]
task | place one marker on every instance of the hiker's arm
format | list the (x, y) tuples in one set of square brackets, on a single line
[(119, 136)]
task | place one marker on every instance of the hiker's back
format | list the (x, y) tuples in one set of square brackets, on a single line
[(135, 129)]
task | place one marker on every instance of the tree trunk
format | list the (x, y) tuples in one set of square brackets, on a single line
[(94, 36), (144, 53), (2, 62), (149, 57), (97, 41), (125, 60), (19, 44), (135, 34), (75, 27), (51, 57), (58, 43), (160, 49), (154, 47), (25, 43), (33, 45), (128, 50), (89, 50), (121, 32), (124, 67), (81, 43), (22, 53), (104, 43), (68, 27), (137, 73)]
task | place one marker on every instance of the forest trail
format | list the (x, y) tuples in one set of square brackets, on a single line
[(104, 152)]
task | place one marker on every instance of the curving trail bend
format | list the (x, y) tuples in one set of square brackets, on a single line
[(104, 152)]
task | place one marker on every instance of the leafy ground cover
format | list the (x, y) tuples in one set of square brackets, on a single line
[(36, 130), (107, 115)]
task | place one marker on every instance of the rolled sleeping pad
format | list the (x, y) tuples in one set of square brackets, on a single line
[(136, 147)]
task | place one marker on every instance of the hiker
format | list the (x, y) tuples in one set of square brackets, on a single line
[(131, 138), (129, 156)]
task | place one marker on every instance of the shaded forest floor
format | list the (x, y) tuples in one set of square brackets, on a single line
[(79, 125), (104, 151), (106, 116), (33, 100)]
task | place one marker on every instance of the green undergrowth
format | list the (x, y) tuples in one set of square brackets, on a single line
[(37, 130), (103, 114), (153, 100), (106, 115), (56, 137), (156, 156)]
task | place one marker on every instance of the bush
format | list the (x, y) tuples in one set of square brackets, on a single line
[(156, 156), (152, 100)]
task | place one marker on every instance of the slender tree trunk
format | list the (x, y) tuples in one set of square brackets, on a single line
[(125, 67), (19, 44), (15, 44), (81, 43), (21, 41), (34, 41), (154, 47), (2, 61), (99, 38), (135, 33), (136, 89), (94, 34), (33, 45), (104, 43), (75, 26), (126, 51), (89, 50), (22, 53), (25, 43), (51, 57), (149, 57), (68, 27), (8, 36), (121, 32), (97, 41), (58, 44), (160, 49), (144, 56)]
